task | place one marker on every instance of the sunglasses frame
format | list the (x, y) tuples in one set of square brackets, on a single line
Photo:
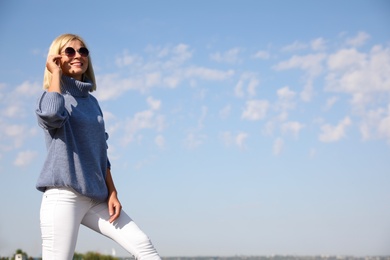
[(71, 52)]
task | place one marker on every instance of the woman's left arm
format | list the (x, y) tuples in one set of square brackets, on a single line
[(114, 206)]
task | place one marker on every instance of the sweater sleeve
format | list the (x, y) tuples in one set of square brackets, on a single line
[(108, 160), (51, 110)]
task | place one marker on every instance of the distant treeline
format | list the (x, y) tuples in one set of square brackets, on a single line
[(93, 256), (97, 256), (279, 257), (77, 256)]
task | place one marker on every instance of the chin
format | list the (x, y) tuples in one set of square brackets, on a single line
[(77, 74)]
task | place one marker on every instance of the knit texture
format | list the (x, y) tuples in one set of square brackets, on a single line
[(75, 140)]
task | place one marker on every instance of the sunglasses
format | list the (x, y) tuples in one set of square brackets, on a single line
[(70, 52)]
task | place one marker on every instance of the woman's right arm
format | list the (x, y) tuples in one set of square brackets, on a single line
[(50, 109), (53, 65)]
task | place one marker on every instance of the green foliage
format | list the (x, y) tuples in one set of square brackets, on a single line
[(76, 256), (20, 251), (93, 256)]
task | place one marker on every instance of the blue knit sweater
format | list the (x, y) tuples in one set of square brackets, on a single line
[(75, 140)]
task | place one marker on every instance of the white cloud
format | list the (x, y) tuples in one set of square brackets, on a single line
[(285, 93), (346, 59), (226, 138), (143, 120), (202, 118), (384, 128), (161, 52), (143, 163), (154, 104), (364, 76), (247, 84), (263, 55), (24, 158), (285, 103), (152, 79), (194, 140), (239, 89), (269, 128), (318, 44), (14, 134), (17, 102), (180, 54), (330, 102), (311, 63), (194, 136), (182, 51), (278, 146), (252, 85), (112, 86), (14, 110), (239, 139), (161, 67), (292, 127), (359, 40), (334, 133), (147, 119), (160, 141), (376, 124), (108, 115), (167, 57), (207, 74), (354, 71), (308, 92), (255, 110), (29, 89), (231, 56), (127, 59), (225, 111), (295, 46), (285, 99), (172, 81)]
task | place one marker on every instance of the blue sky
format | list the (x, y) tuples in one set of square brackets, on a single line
[(236, 127)]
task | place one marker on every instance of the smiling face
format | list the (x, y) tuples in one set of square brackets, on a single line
[(74, 66)]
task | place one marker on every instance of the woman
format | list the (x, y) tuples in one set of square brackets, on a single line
[(76, 178)]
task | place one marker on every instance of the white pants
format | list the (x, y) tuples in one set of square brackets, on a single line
[(62, 212)]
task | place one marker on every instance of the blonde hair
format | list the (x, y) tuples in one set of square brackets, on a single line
[(55, 49)]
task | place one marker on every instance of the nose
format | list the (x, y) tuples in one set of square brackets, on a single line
[(77, 55)]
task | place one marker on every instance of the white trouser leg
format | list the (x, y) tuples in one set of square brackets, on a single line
[(62, 212), (124, 231)]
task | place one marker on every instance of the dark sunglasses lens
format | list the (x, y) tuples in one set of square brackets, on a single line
[(84, 52), (70, 51)]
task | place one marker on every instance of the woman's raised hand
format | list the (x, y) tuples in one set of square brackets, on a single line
[(53, 63)]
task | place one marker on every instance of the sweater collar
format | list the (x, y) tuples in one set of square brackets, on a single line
[(75, 87)]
